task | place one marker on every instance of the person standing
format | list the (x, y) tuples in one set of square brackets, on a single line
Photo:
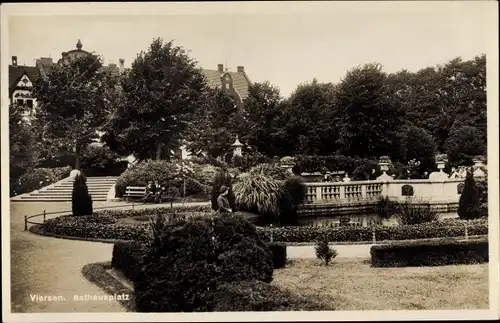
[(223, 202)]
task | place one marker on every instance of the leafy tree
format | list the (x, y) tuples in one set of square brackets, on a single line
[(74, 100), (24, 148), (420, 146), (463, 144), (81, 200), (215, 125), (161, 93), (369, 120), (465, 90), (308, 116), (262, 110), (469, 205)]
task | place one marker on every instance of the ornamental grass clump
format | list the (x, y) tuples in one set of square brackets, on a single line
[(413, 212), (260, 194)]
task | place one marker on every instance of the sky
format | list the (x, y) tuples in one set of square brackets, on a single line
[(282, 45)]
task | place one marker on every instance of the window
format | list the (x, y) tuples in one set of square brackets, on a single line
[(20, 101), (29, 103)]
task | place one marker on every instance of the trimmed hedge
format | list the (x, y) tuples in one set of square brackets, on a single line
[(279, 254), (435, 253), (253, 296), (127, 257)]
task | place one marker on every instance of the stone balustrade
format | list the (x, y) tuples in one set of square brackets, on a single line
[(442, 191)]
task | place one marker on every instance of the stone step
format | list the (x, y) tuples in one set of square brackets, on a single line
[(70, 189), (88, 185), (44, 199), (66, 194)]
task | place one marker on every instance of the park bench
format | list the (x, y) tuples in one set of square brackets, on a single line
[(134, 192)]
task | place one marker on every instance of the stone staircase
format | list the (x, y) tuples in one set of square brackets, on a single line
[(61, 191)]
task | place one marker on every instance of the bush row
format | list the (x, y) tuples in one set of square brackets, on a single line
[(360, 168), (435, 253)]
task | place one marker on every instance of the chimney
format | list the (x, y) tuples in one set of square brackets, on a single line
[(241, 69), (14, 60), (220, 68), (122, 64)]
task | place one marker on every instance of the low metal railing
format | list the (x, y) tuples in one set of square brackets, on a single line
[(45, 213)]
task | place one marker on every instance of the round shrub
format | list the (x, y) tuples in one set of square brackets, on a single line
[(98, 160), (36, 178), (188, 260), (141, 173)]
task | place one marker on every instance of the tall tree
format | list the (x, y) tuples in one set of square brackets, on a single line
[(161, 93), (262, 110), (23, 145), (215, 125), (463, 144), (73, 101), (420, 146), (310, 119), (370, 120)]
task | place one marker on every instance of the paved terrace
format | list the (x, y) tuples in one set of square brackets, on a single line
[(48, 266)]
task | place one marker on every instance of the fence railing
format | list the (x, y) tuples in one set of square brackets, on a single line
[(44, 214), (357, 191)]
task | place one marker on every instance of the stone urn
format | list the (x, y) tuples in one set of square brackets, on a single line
[(287, 163), (384, 163), (441, 160), (478, 166)]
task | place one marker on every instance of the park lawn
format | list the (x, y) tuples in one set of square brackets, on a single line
[(354, 285)]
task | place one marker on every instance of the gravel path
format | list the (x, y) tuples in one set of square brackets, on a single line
[(45, 266)]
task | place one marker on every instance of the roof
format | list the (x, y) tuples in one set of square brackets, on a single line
[(16, 72), (240, 83)]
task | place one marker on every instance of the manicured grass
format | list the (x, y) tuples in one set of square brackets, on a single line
[(354, 285)]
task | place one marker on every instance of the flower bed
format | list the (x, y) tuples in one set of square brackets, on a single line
[(106, 224), (438, 229)]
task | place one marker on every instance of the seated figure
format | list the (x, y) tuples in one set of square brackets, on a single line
[(150, 191)]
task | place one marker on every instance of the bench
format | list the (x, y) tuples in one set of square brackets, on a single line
[(134, 192)]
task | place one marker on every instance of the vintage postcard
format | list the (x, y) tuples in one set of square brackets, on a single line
[(250, 161)]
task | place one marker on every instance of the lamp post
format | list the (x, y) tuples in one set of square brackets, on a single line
[(237, 147)]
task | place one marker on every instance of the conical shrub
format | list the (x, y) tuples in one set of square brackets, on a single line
[(81, 201), (469, 205), (222, 178)]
